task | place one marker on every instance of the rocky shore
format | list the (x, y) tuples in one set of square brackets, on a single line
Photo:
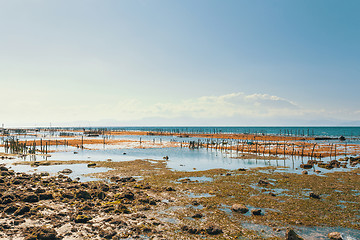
[(39, 206), (163, 204)]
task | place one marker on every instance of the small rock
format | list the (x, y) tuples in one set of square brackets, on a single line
[(91, 165), (190, 230), (41, 233), (195, 203), (256, 212), (39, 190), (82, 219), (122, 209), (101, 195), (85, 207), (2, 168), (22, 210), (169, 189), (127, 194), (291, 235), (46, 196), (83, 195), (239, 208), (212, 230), (335, 236), (306, 166), (197, 215), (114, 178), (68, 195), (30, 198), (10, 209), (314, 195), (304, 172), (7, 199), (105, 187), (263, 182), (126, 179), (66, 171), (18, 221), (107, 233)]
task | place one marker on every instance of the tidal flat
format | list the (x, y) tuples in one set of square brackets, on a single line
[(148, 199)]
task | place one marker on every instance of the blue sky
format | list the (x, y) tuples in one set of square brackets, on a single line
[(86, 62)]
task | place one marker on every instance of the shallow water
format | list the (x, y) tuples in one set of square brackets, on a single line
[(180, 159), (199, 195), (79, 170), (309, 233)]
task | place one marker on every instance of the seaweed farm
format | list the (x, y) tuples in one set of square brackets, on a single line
[(180, 183)]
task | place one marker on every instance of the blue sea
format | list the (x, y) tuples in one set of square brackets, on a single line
[(293, 131)]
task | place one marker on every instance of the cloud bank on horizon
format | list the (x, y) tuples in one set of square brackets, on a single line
[(230, 109)]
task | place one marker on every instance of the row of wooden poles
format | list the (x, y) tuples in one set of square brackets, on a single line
[(281, 132), (257, 147), (14, 146), (30, 147)]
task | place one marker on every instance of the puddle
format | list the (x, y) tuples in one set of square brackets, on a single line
[(268, 190), (199, 195), (78, 170), (315, 233), (198, 207), (138, 178), (340, 205), (309, 233), (174, 208), (356, 192), (169, 212), (263, 230), (341, 201), (195, 219), (169, 220), (227, 209)]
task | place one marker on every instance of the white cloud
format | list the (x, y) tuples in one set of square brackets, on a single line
[(234, 108), (229, 105)]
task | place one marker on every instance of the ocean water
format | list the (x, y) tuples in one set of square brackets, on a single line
[(185, 159), (295, 131)]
